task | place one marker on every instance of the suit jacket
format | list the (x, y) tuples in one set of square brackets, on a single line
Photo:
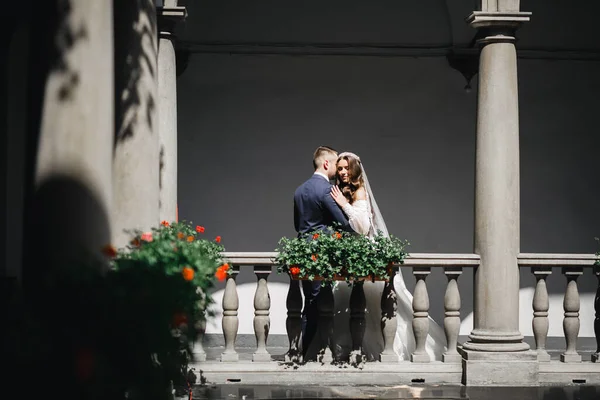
[(315, 209)]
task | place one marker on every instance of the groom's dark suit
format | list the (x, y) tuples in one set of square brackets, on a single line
[(314, 209)]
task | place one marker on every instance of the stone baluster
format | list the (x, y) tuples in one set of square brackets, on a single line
[(325, 307), (420, 315), (357, 321), (541, 306), (293, 322), (262, 321), (230, 321), (452, 315), (389, 320), (571, 321), (596, 355)]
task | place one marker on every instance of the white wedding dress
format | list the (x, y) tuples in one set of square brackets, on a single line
[(365, 218)]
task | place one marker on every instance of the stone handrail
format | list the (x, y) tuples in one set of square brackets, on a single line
[(413, 260), (572, 267)]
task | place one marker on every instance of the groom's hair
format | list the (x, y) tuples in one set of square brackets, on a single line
[(321, 154)]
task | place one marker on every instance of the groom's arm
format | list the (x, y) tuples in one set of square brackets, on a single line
[(336, 212)]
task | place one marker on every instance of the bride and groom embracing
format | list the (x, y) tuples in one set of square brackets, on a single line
[(350, 205)]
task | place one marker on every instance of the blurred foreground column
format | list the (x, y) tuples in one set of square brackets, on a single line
[(70, 141), (136, 155)]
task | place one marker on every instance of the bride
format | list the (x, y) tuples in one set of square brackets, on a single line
[(353, 194)]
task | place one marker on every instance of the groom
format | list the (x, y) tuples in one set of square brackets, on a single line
[(315, 209)]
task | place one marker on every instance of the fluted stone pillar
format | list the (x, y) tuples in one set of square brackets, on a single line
[(496, 338), (136, 155), (168, 16), (71, 197)]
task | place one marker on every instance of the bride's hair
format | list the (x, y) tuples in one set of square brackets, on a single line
[(355, 178)]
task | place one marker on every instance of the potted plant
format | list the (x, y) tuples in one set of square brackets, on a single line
[(178, 266), (121, 327)]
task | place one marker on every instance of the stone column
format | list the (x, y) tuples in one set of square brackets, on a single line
[(136, 155), (168, 16), (496, 291), (70, 198)]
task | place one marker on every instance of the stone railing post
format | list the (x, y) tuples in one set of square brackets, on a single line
[(541, 306), (389, 320), (325, 307), (293, 322), (357, 321), (571, 321), (262, 305), (452, 315), (230, 321), (420, 321), (596, 355)]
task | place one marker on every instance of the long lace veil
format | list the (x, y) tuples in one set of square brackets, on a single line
[(404, 342)]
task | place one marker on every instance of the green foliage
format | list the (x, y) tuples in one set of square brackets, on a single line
[(171, 248), (119, 332), (327, 254)]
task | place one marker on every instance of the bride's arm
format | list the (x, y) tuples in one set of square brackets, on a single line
[(358, 213)]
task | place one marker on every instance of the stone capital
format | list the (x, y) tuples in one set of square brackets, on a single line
[(168, 17), (498, 19), (497, 26)]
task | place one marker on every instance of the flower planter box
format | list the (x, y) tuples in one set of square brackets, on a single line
[(342, 277), (337, 278)]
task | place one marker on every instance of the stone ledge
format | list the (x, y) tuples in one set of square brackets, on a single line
[(371, 373)]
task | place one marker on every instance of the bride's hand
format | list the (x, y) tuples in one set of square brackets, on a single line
[(337, 195)]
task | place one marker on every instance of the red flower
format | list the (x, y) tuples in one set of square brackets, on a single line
[(218, 239), (164, 223), (190, 238), (199, 229), (221, 274), (294, 270), (188, 273), (315, 236), (337, 235), (314, 257), (180, 235), (147, 236), (179, 319), (109, 251)]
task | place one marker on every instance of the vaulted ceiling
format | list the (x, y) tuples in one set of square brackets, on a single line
[(555, 26)]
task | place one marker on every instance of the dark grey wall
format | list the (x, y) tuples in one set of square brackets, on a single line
[(248, 125)]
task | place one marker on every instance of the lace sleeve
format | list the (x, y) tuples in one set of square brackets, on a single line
[(358, 216)]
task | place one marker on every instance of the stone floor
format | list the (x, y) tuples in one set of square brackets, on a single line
[(247, 392)]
